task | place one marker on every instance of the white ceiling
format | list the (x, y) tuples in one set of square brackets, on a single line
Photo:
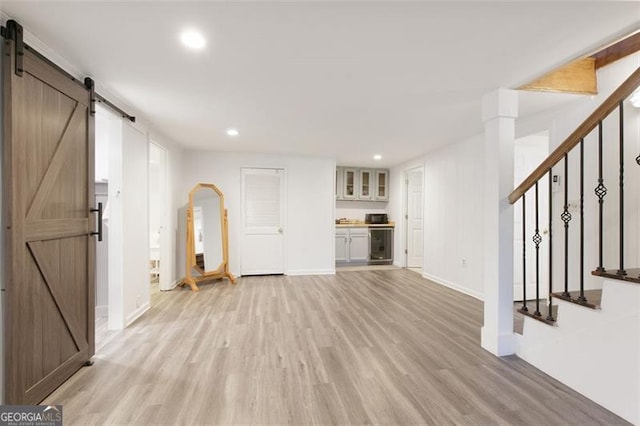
[(340, 79)]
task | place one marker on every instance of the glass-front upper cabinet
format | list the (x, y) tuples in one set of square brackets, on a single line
[(349, 184), (382, 185), (366, 180), (363, 184)]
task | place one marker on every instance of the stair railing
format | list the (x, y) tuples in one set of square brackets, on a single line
[(561, 154)]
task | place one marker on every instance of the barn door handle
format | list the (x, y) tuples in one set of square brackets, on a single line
[(99, 211)]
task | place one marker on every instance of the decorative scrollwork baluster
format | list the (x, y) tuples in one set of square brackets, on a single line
[(537, 239), (600, 192)]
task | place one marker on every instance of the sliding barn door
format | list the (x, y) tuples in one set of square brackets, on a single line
[(49, 270)]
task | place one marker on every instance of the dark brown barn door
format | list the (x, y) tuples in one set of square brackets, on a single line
[(49, 263)]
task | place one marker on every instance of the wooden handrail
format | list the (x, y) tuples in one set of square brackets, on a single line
[(620, 94)]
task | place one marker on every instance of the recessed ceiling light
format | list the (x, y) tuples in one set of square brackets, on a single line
[(192, 39), (233, 132), (377, 157)]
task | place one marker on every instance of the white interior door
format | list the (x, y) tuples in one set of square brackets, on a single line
[(262, 249), (529, 152), (415, 218)]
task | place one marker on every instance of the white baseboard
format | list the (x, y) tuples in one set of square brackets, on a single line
[(453, 286), (173, 285), (102, 311), (294, 272), (137, 314)]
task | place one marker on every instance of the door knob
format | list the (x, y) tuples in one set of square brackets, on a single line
[(279, 230)]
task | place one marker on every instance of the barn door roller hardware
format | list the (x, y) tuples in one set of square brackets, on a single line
[(90, 84), (96, 97), (13, 31)]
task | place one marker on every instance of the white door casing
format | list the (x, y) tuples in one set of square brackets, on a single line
[(415, 218), (263, 200)]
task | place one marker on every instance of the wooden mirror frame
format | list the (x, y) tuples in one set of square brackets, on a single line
[(223, 268)]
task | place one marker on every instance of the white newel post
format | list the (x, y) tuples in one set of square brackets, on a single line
[(499, 111)]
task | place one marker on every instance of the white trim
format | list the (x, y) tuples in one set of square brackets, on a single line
[(137, 313), (173, 285), (296, 272), (102, 311), (453, 286), (404, 220)]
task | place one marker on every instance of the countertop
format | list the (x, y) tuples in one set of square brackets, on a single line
[(365, 225)]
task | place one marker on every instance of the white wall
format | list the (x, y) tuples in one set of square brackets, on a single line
[(135, 199), (309, 231), (358, 209), (453, 228)]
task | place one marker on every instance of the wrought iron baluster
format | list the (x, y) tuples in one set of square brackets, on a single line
[(566, 218), (550, 313), (621, 271), (600, 192), (537, 239), (582, 298), (524, 253)]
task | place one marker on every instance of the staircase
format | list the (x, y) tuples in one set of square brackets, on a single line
[(594, 351), (586, 337)]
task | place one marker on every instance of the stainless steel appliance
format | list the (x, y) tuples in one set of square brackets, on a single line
[(376, 218), (380, 245)]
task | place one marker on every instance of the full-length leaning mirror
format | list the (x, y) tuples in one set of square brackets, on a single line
[(207, 240)]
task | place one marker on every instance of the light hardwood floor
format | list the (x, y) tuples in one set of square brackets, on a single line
[(381, 346)]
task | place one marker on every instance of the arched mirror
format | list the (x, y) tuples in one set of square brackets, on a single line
[(207, 241)]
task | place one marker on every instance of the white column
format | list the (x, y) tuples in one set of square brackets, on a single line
[(499, 110)]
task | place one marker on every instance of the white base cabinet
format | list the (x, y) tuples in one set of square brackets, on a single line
[(342, 245), (352, 245)]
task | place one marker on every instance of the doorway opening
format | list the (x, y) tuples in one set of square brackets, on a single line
[(108, 134), (157, 217), (414, 219), (528, 153)]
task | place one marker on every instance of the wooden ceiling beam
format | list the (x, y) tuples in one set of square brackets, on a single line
[(578, 77)]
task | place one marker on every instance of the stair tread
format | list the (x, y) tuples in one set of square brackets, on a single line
[(594, 298), (531, 305), (633, 274)]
